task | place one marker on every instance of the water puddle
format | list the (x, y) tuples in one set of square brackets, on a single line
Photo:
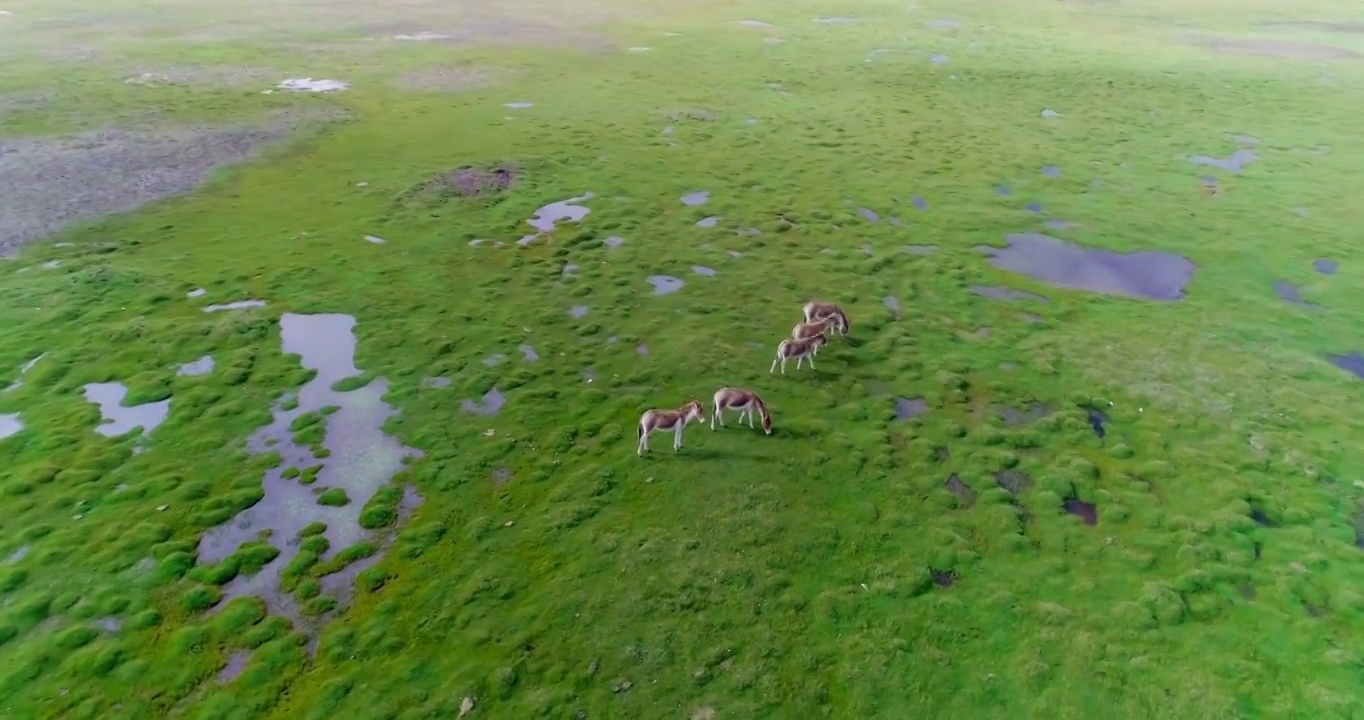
[(1059, 224), (693, 199), (518, 105), (1231, 163), (753, 23), (1096, 419), (529, 353), (664, 284), (909, 408), (734, 253), (1352, 363), (836, 20), (1087, 512), (703, 271), (1033, 207), (361, 459), (1051, 171), (642, 350), (375, 239), (1149, 274), (564, 210), (311, 85), (423, 36), (1288, 292), (1262, 519), (613, 242), (1003, 293), (196, 293), (708, 222), (892, 304), (51, 265), (238, 305), (119, 419), (938, 59), (578, 311), (1049, 113), (868, 215), (109, 624), (570, 269), (10, 425), (494, 360), (963, 492), (202, 366), (492, 402), (919, 202), (236, 663), (1014, 481), (18, 555), (944, 578), (1003, 190), (943, 24), (1030, 413), (1325, 267)]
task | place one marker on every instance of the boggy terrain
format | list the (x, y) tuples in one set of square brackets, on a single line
[(335, 414)]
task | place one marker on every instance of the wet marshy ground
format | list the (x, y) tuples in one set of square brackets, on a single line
[(360, 459), (1150, 275)]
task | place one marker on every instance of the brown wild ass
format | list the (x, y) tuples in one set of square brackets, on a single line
[(819, 310), (675, 420), (801, 350), (805, 331), (745, 401)]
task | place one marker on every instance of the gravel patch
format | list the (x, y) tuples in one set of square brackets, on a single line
[(54, 182), (449, 78)]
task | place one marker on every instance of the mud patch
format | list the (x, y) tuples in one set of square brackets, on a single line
[(119, 418), (1014, 481), (361, 458), (964, 493), (1150, 275), (1270, 48), (449, 78), (1030, 413), (944, 578), (53, 182), (1096, 419), (1087, 512), (471, 181)]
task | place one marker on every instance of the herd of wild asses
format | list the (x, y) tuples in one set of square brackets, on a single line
[(804, 343)]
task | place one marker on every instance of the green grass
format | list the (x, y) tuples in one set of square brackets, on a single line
[(758, 577)]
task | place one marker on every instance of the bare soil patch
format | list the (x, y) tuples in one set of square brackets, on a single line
[(210, 76), (54, 182), (449, 78), (470, 181), (1271, 48)]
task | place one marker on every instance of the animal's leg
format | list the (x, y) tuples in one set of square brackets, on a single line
[(643, 443), (715, 414), (799, 359), (677, 437), (774, 366), (750, 417), (783, 366), (812, 362)]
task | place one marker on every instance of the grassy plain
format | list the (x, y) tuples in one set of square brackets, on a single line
[(826, 571)]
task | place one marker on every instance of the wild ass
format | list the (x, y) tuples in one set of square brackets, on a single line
[(745, 401), (801, 350), (675, 420), (819, 310), (807, 330)]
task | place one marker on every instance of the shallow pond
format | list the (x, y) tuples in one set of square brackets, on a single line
[(1149, 274), (118, 418)]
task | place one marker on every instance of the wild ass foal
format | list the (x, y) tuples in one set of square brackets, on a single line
[(675, 420), (820, 310), (801, 350), (745, 401), (807, 330)]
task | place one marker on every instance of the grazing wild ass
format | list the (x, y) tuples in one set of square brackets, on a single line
[(801, 350), (819, 310), (805, 331), (675, 420), (745, 401)]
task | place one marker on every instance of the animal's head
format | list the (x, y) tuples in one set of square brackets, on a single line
[(841, 322), (695, 411), (767, 423), (818, 340)]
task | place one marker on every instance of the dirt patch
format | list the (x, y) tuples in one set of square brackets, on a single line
[(1270, 48), (449, 78), (54, 182), (470, 181), (210, 76)]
